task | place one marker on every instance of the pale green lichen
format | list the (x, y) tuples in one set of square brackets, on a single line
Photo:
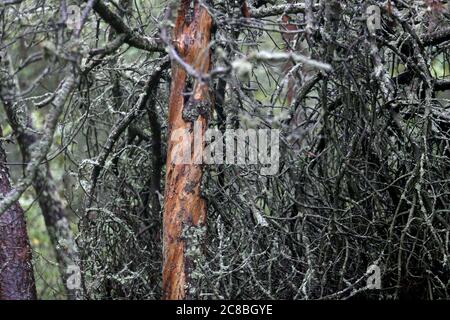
[(193, 237)]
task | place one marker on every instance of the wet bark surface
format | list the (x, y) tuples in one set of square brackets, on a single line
[(16, 269), (184, 208)]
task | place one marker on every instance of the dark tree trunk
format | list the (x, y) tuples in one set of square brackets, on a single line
[(16, 268), (51, 206)]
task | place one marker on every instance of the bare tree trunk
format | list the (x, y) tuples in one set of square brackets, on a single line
[(184, 208), (16, 268)]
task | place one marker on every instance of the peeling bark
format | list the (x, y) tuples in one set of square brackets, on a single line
[(16, 269), (184, 208)]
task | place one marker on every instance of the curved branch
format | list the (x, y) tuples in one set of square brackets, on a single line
[(131, 37)]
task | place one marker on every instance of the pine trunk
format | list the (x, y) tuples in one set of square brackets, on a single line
[(16, 269), (184, 208)]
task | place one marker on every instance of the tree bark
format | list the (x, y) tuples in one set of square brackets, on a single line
[(51, 206), (16, 268), (184, 207)]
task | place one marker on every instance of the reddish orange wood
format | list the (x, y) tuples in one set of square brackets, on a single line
[(184, 207)]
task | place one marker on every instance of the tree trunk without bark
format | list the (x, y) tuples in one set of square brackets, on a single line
[(184, 208)]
